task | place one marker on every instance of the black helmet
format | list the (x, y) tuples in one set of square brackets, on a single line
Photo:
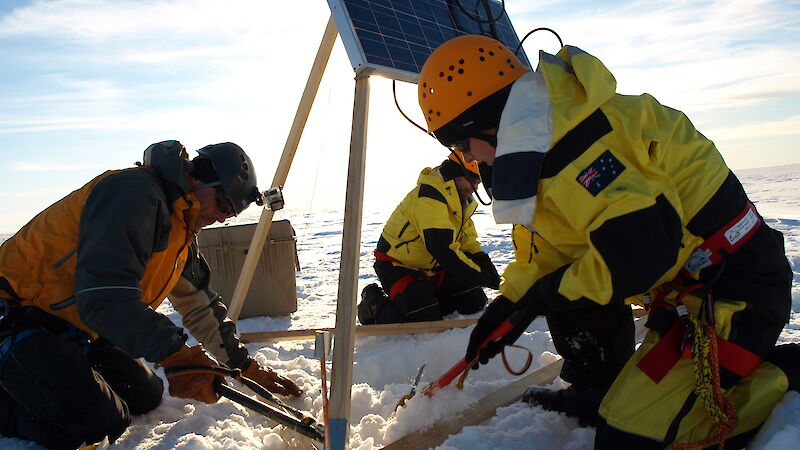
[(235, 172)]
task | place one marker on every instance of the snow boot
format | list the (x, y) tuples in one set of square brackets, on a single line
[(573, 401), (372, 298), (787, 357)]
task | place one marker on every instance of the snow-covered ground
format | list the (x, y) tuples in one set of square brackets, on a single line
[(384, 365)]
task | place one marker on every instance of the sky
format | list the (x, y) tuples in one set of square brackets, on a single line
[(87, 85)]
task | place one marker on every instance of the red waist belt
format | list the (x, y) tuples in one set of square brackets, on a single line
[(728, 239), (380, 256), (402, 283), (666, 353)]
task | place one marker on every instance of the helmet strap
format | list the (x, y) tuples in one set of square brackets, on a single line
[(206, 185)]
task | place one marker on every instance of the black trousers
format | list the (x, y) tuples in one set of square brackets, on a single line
[(424, 299), (55, 393), (595, 341)]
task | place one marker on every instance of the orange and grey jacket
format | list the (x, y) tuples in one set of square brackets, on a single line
[(106, 255), (431, 230), (609, 193)]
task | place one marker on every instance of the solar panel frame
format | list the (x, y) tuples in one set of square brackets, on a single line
[(392, 38)]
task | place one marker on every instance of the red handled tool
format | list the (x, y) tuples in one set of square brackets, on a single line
[(501, 330)]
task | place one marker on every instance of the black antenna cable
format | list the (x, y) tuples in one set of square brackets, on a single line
[(394, 93), (490, 19), (519, 47)]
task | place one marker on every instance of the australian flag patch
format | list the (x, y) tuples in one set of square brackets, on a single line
[(600, 173)]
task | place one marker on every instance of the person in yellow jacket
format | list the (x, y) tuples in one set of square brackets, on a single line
[(428, 258), (79, 285), (618, 199)]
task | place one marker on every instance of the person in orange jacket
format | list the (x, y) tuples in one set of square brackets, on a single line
[(79, 286)]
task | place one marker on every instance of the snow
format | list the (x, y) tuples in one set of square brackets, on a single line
[(385, 365)]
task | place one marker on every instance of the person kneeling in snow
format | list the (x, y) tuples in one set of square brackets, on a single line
[(428, 258), (614, 199), (80, 284)]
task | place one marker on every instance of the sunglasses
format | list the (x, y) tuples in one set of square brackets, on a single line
[(463, 144), (224, 204)]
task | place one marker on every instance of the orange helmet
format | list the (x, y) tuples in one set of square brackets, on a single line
[(464, 84), (472, 166), (454, 167)]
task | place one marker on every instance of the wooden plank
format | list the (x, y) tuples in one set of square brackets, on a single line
[(282, 171), (361, 330), (478, 412), (436, 326), (485, 408), (342, 361)]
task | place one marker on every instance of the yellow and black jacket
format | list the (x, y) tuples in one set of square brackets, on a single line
[(620, 189), (106, 255), (430, 230)]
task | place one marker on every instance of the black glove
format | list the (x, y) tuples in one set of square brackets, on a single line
[(520, 316), (491, 277)]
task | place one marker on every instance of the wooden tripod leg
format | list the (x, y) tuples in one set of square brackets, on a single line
[(344, 341)]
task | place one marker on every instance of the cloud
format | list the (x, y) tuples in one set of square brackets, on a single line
[(696, 55), (151, 19), (126, 64), (26, 166), (759, 130)]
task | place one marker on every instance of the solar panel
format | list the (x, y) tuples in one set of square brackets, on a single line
[(393, 38)]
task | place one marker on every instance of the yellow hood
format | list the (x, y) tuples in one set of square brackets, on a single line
[(577, 83)]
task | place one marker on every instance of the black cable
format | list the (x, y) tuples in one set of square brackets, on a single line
[(560, 42), (477, 18), (492, 25), (394, 93)]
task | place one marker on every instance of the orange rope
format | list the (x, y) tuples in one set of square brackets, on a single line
[(474, 362), (723, 428)]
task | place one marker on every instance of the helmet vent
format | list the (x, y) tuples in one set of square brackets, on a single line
[(449, 78), (441, 74), (482, 58), (469, 93), (460, 71)]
